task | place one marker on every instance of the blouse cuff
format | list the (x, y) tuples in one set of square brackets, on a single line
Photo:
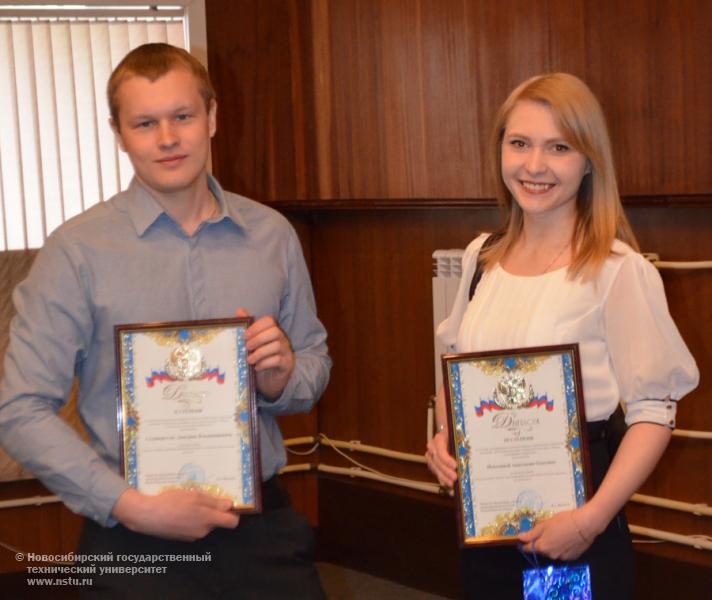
[(661, 412)]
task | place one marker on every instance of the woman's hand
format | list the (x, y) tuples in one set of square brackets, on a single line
[(565, 536), (440, 463)]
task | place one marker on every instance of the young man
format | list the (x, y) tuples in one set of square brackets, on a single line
[(174, 246)]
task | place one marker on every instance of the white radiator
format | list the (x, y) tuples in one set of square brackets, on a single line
[(447, 271)]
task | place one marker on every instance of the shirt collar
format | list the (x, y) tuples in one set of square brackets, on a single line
[(226, 210), (144, 209)]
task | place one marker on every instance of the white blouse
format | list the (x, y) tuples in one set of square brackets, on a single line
[(629, 346)]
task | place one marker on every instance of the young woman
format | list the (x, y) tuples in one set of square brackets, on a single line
[(565, 268)]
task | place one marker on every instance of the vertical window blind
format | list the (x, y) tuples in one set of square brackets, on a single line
[(58, 155)]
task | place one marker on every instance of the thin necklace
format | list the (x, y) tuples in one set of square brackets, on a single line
[(553, 260)]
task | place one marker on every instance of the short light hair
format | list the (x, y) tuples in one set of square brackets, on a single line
[(599, 213), (153, 61)]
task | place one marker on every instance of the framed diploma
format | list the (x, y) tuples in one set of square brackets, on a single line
[(515, 421), (187, 414)]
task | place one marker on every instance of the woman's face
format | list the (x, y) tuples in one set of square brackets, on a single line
[(541, 170)]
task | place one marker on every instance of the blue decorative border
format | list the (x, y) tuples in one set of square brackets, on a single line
[(130, 422), (574, 428), (248, 490), (462, 451)]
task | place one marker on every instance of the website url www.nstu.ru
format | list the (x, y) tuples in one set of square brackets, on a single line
[(76, 581)]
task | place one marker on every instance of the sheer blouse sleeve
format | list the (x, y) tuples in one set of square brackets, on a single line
[(448, 329), (651, 362)]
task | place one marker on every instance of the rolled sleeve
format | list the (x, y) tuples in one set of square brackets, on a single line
[(662, 412), (652, 364)]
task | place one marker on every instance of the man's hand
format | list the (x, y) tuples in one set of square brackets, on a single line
[(270, 351), (184, 515)]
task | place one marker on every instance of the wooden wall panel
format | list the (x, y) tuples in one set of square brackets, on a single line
[(414, 86), (568, 31), (232, 46), (341, 100), (650, 63), (416, 543), (413, 89), (259, 63)]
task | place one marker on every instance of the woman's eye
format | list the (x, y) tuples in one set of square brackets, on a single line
[(561, 148), (183, 117), (517, 143)]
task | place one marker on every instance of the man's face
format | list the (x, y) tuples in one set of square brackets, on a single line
[(166, 130)]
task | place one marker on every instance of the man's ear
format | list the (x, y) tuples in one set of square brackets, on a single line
[(212, 117), (117, 134)]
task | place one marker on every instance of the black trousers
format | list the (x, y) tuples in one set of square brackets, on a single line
[(495, 573), (270, 555)]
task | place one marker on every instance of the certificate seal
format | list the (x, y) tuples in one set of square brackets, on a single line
[(511, 391), (191, 472), (185, 362), (530, 499)]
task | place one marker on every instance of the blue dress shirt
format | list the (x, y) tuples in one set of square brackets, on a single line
[(127, 261)]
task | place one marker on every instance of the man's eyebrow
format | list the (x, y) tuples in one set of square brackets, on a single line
[(179, 109)]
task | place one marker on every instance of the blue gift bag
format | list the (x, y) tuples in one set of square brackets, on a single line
[(557, 583)]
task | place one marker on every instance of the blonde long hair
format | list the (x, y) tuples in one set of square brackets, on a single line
[(599, 214)]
